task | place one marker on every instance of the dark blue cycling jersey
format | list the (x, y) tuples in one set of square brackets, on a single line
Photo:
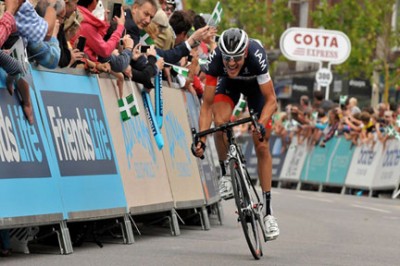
[(253, 73)]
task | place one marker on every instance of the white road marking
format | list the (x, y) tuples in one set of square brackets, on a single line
[(317, 199), (370, 208)]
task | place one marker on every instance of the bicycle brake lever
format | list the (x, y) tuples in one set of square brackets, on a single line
[(195, 140), (255, 124)]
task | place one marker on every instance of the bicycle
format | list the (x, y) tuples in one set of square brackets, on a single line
[(247, 200)]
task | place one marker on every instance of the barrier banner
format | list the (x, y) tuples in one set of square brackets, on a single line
[(388, 175), (28, 193), (278, 157), (275, 146), (80, 141), (141, 164), (247, 145), (208, 172), (183, 173), (316, 164), (294, 161), (364, 165), (340, 162)]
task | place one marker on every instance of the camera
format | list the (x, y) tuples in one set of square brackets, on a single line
[(143, 48), (116, 10), (81, 43)]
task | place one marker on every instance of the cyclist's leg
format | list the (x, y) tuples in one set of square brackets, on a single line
[(224, 102), (264, 160)]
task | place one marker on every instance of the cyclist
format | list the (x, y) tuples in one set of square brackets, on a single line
[(239, 65)]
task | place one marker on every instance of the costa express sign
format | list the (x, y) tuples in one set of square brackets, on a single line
[(314, 45)]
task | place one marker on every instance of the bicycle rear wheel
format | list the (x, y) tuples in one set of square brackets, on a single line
[(245, 210)]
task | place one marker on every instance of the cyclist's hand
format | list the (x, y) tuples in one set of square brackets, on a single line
[(198, 149), (259, 131)]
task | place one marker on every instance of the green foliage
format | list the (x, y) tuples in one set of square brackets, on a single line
[(365, 22), (368, 25), (250, 15)]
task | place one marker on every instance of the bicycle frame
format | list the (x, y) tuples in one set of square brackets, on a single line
[(244, 189), (235, 153)]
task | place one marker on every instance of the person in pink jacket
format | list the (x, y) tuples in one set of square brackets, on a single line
[(94, 28)]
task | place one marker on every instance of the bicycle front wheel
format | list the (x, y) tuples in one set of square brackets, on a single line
[(245, 210)]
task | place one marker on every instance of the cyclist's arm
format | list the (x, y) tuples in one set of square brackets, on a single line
[(205, 118), (270, 106)]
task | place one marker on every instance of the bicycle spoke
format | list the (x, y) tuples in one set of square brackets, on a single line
[(245, 209)]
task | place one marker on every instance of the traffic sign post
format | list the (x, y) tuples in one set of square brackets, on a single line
[(318, 46), (324, 78)]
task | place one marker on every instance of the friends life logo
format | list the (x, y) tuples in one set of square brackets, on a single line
[(81, 139), (138, 144), (178, 146), (22, 153)]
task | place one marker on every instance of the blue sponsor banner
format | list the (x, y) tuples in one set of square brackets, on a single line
[(80, 140), (27, 187), (340, 163)]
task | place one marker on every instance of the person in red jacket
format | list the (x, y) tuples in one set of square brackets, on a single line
[(94, 30)]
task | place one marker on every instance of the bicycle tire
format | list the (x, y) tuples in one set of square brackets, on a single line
[(255, 198), (247, 217)]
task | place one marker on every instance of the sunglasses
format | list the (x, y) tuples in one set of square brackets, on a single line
[(235, 58), (170, 9)]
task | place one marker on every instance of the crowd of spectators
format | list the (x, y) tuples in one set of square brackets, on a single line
[(51, 30), (316, 121)]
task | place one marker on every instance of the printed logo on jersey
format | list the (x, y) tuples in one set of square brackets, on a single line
[(261, 59)]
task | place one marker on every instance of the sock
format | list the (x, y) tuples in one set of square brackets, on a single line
[(267, 202), (223, 171)]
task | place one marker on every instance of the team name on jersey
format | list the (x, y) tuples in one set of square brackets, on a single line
[(261, 60)]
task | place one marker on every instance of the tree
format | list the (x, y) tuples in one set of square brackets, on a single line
[(368, 25), (251, 15)]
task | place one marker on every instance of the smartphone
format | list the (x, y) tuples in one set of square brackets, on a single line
[(116, 10), (81, 43), (143, 48), (190, 58), (216, 38)]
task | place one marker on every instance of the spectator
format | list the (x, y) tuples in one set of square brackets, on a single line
[(94, 30), (353, 106), (68, 55), (181, 24), (165, 40), (7, 22), (305, 105), (139, 17), (170, 7), (12, 66), (319, 101), (330, 130)]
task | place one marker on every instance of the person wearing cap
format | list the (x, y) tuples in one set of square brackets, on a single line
[(165, 38)]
